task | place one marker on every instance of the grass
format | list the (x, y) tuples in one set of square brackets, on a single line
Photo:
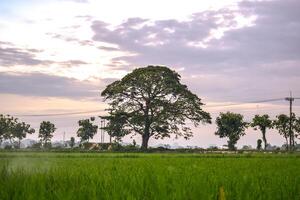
[(42, 175)]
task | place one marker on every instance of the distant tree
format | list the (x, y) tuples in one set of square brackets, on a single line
[(297, 128), (11, 128), (116, 125), (72, 142), (46, 132), (6, 124), (86, 130), (258, 147), (232, 126), (152, 102), (262, 122), (282, 125), (20, 130)]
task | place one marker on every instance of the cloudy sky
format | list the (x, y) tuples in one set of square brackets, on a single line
[(56, 56)]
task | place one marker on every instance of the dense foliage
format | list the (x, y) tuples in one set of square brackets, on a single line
[(152, 102), (46, 133), (232, 126), (11, 128), (87, 129), (262, 122)]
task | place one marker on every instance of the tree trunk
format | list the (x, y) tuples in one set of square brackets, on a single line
[(145, 141), (264, 139), (287, 143), (290, 142), (146, 134)]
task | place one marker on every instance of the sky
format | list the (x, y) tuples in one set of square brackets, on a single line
[(56, 56)]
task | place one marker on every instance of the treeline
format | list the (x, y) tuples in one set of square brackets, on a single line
[(14, 131), (232, 126), (229, 125)]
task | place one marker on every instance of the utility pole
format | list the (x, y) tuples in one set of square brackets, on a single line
[(102, 123), (291, 99)]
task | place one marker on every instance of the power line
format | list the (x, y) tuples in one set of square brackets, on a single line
[(102, 110), (236, 104)]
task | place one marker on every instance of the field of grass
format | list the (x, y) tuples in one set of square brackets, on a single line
[(148, 176)]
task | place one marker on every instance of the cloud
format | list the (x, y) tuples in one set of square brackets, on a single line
[(37, 84), (11, 55), (71, 39), (260, 56), (273, 38)]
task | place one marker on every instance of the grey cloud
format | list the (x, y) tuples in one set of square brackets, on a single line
[(10, 56), (72, 63), (263, 59), (71, 39), (37, 84), (274, 38), (108, 48)]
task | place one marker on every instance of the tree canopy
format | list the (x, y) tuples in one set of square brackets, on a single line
[(86, 130), (11, 128), (262, 122), (232, 126), (282, 124), (152, 102), (46, 132)]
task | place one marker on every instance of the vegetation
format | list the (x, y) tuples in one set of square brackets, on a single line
[(152, 102), (232, 126), (258, 147), (11, 128), (148, 176), (86, 129), (262, 123), (72, 142), (46, 133)]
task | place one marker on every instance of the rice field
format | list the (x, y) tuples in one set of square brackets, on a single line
[(44, 175)]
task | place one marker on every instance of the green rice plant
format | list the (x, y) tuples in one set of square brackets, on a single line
[(138, 176)]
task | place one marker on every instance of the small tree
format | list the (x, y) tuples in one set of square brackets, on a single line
[(46, 132), (232, 126), (258, 147), (11, 128), (72, 142), (262, 123), (282, 125), (6, 124), (20, 130), (297, 128), (86, 130)]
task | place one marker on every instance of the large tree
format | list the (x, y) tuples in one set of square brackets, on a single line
[(86, 129), (46, 132), (232, 126), (262, 122), (152, 102)]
